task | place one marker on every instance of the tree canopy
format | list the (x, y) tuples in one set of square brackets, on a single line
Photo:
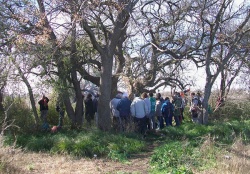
[(104, 44)]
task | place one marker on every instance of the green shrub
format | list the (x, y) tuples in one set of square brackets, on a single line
[(233, 110), (20, 113), (81, 144)]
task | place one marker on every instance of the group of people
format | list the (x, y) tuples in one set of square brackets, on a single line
[(90, 109), (147, 112)]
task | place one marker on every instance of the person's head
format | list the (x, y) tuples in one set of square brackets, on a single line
[(198, 94), (158, 96), (151, 94), (166, 98), (89, 96), (144, 95), (192, 94), (131, 96), (137, 94), (119, 95)]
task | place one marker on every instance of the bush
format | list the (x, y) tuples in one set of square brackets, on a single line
[(20, 113), (81, 144), (232, 110)]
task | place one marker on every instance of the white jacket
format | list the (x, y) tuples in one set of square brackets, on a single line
[(138, 108)]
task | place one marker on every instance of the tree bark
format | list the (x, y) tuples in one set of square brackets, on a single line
[(104, 119)]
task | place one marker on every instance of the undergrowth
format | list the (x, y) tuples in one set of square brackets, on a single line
[(91, 144), (189, 148)]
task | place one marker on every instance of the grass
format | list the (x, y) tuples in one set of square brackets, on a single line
[(193, 148), (190, 148), (186, 149), (81, 144)]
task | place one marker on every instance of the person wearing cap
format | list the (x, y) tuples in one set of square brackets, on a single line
[(124, 110)]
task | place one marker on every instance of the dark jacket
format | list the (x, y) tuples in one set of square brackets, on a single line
[(44, 104), (89, 108), (167, 109), (124, 107)]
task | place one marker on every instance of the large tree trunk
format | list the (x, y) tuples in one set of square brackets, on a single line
[(207, 93), (75, 81), (64, 91), (104, 118)]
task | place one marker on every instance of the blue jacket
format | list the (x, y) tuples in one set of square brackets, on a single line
[(167, 109), (124, 107)]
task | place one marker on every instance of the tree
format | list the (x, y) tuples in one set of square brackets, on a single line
[(113, 27), (214, 36), (162, 46)]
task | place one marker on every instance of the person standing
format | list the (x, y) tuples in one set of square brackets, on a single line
[(177, 102), (200, 100), (152, 111), (95, 105), (115, 113), (194, 108), (124, 109), (167, 110), (138, 112), (89, 109), (44, 108), (144, 96), (158, 113)]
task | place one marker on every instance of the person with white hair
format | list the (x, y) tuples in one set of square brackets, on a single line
[(115, 113)]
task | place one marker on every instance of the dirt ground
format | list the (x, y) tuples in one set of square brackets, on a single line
[(20, 162), (16, 161), (234, 160)]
